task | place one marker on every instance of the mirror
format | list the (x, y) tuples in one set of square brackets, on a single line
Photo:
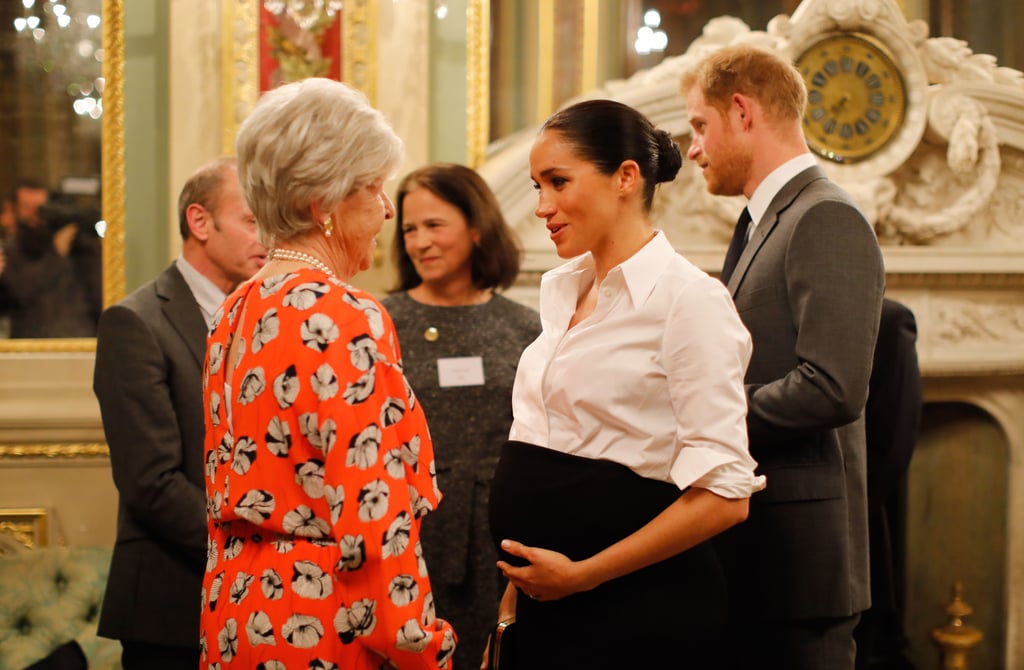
[(68, 58)]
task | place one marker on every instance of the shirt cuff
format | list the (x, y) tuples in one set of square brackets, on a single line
[(720, 473)]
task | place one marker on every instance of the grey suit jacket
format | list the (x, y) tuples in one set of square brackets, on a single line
[(148, 380), (809, 287)]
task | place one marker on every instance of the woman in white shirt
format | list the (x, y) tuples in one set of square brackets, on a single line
[(628, 449)]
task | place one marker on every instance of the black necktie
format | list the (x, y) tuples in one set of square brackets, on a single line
[(739, 240)]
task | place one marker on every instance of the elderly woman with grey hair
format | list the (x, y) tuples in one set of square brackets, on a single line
[(319, 464)]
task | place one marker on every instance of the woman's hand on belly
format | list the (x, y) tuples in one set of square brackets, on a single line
[(548, 574)]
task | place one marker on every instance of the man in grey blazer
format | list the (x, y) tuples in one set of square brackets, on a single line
[(808, 284), (148, 380)]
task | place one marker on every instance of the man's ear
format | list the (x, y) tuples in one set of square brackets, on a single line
[(200, 221), (743, 109)]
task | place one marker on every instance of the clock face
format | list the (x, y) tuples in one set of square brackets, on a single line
[(856, 97)]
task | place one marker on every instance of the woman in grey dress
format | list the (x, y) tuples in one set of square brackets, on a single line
[(460, 341)]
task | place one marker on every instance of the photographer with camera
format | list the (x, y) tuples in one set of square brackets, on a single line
[(51, 272)]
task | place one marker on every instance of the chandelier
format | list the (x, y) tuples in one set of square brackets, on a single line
[(63, 39)]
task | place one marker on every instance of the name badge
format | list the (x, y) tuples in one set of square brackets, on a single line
[(462, 371)]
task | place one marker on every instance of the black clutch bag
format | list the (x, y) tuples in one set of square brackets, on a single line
[(501, 653)]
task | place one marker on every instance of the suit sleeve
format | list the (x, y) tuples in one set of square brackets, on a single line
[(892, 416), (131, 382), (834, 281)]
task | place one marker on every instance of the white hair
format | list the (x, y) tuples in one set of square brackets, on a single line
[(312, 141)]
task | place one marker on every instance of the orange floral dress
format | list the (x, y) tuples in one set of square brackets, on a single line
[(319, 469)]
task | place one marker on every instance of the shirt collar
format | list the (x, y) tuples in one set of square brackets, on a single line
[(207, 294), (639, 272), (773, 183)]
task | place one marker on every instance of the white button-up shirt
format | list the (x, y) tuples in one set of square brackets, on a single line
[(653, 379)]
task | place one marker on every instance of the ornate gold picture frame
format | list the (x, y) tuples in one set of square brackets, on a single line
[(24, 525)]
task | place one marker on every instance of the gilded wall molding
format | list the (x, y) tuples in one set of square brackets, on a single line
[(112, 156), (478, 86), (53, 451)]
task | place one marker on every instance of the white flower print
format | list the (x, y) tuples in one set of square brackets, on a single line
[(360, 390), (328, 436), (211, 466), (302, 631), (271, 585), (279, 437), (233, 312), (215, 587), (447, 648), (211, 554), (429, 614), (214, 506), (420, 505), (356, 621), (260, 630), (253, 384), (240, 587), (244, 455), (403, 590), (421, 564), (396, 539), (309, 428), (309, 581), (202, 646), (256, 506), (393, 463), (310, 476), (363, 352), (305, 295), (373, 501), (267, 328), (227, 640), (214, 408), (303, 522), (286, 387), (272, 285), (335, 496), (233, 547), (374, 318), (411, 453), (283, 544), (321, 664), (272, 665), (411, 637), (391, 411), (364, 447), (324, 383), (318, 331), (353, 553), (226, 446), (410, 395)]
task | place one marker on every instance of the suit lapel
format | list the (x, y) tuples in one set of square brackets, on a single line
[(782, 200), (182, 311)]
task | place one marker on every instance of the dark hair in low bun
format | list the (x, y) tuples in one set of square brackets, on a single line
[(670, 157), (607, 133)]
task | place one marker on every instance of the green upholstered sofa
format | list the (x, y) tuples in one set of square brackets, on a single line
[(49, 597)]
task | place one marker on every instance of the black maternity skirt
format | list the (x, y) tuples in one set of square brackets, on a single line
[(669, 615)]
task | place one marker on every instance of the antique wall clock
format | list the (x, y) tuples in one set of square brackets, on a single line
[(856, 96)]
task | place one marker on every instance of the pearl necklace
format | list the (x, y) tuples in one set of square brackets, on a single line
[(280, 254)]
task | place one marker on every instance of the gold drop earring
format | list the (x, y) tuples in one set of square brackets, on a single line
[(328, 227)]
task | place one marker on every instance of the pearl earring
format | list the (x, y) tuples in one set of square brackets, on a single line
[(328, 227)]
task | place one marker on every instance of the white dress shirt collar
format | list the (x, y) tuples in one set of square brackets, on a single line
[(207, 294), (773, 183)]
